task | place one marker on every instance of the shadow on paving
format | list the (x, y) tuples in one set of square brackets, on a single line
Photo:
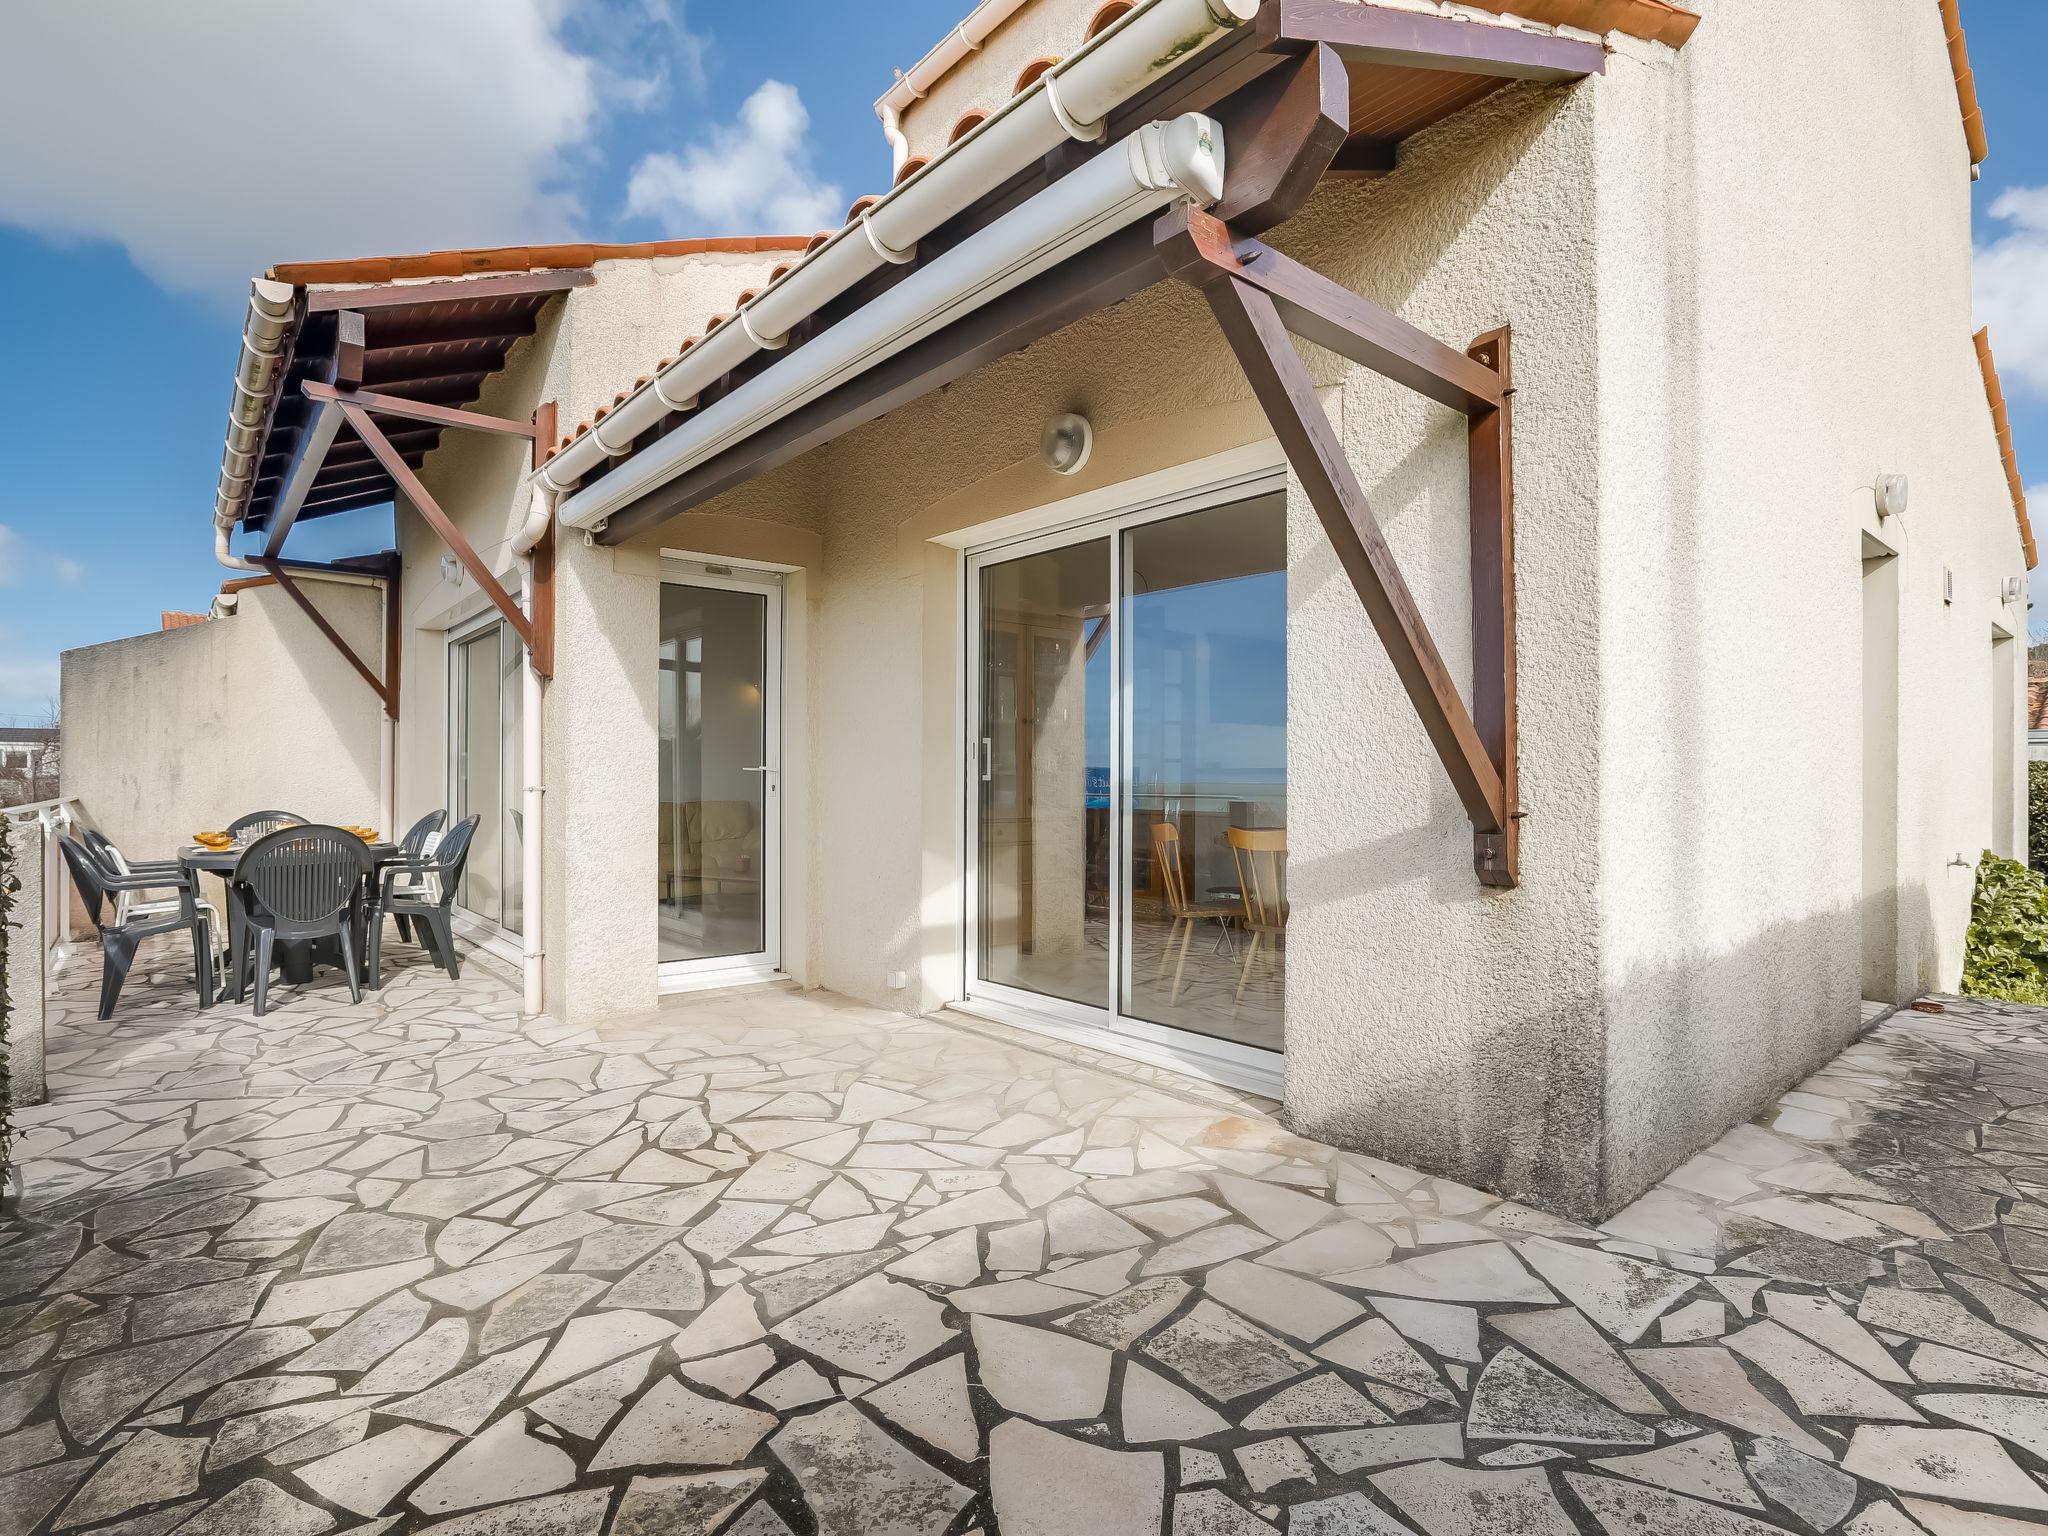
[(768, 1262)]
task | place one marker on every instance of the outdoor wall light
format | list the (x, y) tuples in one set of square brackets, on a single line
[(1890, 491), (451, 570), (1066, 443)]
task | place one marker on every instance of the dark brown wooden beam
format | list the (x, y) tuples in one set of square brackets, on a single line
[(541, 649), (400, 335), (423, 502), (1329, 314), (1251, 323), (281, 573), (416, 410), (1115, 269), (1414, 40), (308, 455), (1281, 139), (1490, 481), (452, 290), (1365, 159), (349, 349)]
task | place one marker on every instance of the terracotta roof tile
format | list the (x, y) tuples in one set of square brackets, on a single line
[(171, 619), (516, 258), (1966, 81), (2002, 426)]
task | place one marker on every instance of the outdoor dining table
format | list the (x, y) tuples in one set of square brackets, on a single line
[(295, 960)]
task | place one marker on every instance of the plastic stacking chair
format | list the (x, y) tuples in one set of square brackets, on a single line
[(298, 884), (173, 873), (423, 890), (257, 823), (418, 843), (96, 884)]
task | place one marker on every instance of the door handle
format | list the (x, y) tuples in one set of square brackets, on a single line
[(988, 759), (761, 768)]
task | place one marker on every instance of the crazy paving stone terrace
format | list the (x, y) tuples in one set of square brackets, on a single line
[(769, 1262)]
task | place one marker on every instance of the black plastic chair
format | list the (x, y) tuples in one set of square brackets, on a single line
[(423, 889), (299, 884), (258, 823), (415, 845), (97, 887)]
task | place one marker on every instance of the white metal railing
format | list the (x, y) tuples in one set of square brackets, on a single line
[(51, 819)]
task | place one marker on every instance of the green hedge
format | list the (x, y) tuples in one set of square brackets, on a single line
[(2006, 955), (2037, 816)]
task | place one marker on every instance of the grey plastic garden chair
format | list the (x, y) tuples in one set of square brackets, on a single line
[(257, 823), (423, 890), (299, 884), (97, 884)]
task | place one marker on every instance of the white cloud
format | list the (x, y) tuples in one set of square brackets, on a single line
[(750, 176), (2012, 288), (22, 561), (212, 138)]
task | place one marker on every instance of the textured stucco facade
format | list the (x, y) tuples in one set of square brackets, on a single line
[(183, 730), (1716, 350), (599, 724)]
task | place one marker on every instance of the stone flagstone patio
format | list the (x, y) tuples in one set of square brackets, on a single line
[(768, 1262)]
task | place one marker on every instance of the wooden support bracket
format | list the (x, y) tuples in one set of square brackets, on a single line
[(385, 687), (1478, 754), (423, 502)]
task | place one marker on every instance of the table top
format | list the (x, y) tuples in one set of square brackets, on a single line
[(221, 861)]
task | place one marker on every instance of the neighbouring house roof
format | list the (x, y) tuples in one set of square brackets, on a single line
[(172, 619), (437, 325), (516, 258), (28, 735), (2003, 426), (1966, 82)]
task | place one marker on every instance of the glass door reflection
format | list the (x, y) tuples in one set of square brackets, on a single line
[(716, 775), (1205, 718), (1043, 782)]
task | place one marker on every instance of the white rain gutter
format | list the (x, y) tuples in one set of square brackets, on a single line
[(978, 28), (1070, 100), (266, 330), (540, 513), (1160, 164)]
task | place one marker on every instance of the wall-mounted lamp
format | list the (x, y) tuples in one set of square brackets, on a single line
[(2015, 588), (1066, 443), (1890, 491), (451, 570)]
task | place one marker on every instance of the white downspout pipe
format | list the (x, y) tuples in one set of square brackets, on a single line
[(531, 950), (956, 45)]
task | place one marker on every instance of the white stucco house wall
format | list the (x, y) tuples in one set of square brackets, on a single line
[(1709, 601)]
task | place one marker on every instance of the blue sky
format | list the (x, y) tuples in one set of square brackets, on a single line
[(169, 166)]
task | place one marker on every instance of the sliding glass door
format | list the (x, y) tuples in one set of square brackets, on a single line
[(720, 784), (485, 698), (1129, 793)]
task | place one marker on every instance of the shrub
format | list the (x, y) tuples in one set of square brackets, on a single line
[(2006, 955), (2037, 817)]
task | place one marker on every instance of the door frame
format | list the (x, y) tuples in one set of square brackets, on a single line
[(765, 964), (1106, 1027), (487, 933)]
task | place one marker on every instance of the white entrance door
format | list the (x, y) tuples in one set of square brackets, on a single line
[(720, 823)]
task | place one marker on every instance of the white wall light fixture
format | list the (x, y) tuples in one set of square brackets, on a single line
[(451, 570), (1890, 491), (1067, 442)]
